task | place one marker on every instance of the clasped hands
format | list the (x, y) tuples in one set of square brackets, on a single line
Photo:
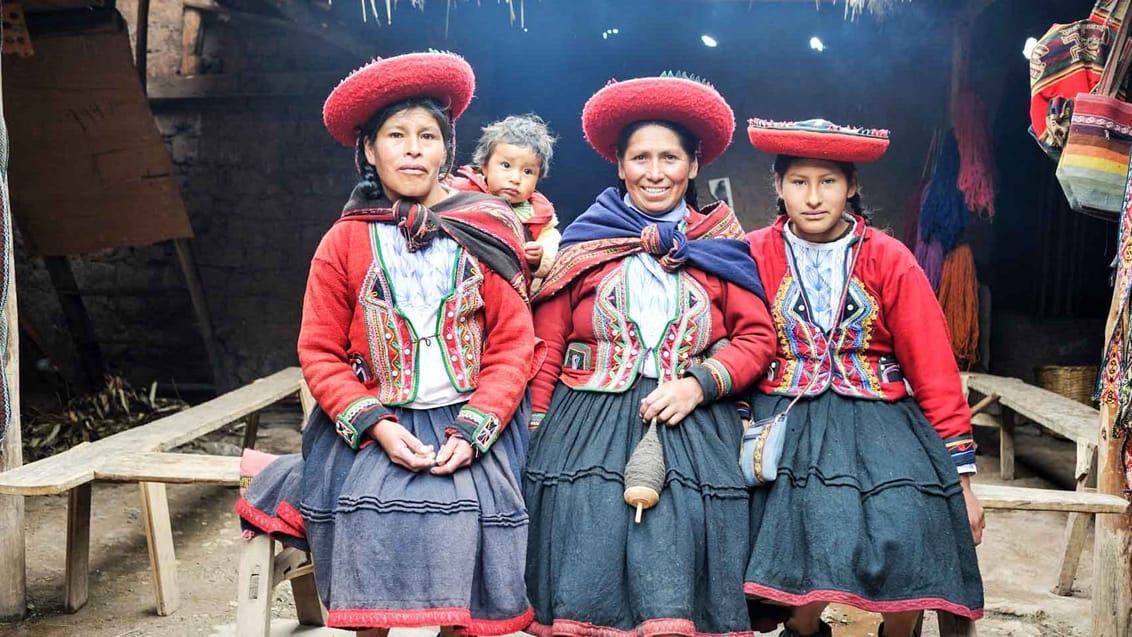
[(405, 449)]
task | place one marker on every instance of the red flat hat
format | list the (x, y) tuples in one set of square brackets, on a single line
[(818, 139), (443, 76), (692, 104)]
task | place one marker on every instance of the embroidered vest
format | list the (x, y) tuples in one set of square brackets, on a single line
[(393, 364), (614, 361), (802, 346)]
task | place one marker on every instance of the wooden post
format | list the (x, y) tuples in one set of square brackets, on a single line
[(13, 585), (191, 39), (1112, 574), (159, 539), (142, 40)]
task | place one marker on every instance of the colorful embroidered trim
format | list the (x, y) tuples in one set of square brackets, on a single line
[(536, 420), (962, 449), (485, 427), (818, 126), (873, 606), (344, 423), (720, 375)]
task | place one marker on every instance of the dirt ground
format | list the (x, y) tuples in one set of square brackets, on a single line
[(1018, 557)]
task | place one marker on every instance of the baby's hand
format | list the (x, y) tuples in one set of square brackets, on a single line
[(533, 252)]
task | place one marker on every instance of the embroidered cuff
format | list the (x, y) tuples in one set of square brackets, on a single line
[(477, 427), (962, 450), (357, 417), (714, 379), (536, 420)]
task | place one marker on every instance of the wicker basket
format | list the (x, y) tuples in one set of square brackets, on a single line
[(1076, 382)]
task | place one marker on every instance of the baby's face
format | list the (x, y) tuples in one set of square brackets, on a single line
[(512, 172)]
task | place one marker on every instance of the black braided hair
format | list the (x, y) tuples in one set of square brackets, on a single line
[(849, 169), (368, 182), (688, 142)]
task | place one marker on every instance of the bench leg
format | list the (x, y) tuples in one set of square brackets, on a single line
[(159, 538), (253, 610), (919, 627), (78, 548), (954, 626), (251, 429), (1075, 531), (308, 606), (1006, 443), (1078, 525)]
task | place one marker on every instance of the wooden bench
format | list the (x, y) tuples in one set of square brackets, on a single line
[(142, 455), (1052, 412)]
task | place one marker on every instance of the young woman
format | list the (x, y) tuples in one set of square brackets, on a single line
[(652, 310), (872, 506), (417, 343)]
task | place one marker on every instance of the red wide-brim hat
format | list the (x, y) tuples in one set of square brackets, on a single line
[(692, 104), (445, 77), (818, 139)]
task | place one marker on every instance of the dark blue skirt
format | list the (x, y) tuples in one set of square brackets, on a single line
[(867, 510), (394, 548), (590, 569)]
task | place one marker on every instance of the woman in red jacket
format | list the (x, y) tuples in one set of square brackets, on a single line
[(872, 505), (652, 310), (417, 344)]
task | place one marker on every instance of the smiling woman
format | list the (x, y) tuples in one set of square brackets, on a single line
[(652, 312)]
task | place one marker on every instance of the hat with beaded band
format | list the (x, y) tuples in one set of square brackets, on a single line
[(818, 139)]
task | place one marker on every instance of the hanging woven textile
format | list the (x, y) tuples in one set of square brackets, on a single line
[(1114, 382), (943, 217), (959, 298), (976, 164)]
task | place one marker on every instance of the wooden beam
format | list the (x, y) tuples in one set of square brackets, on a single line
[(188, 263), (13, 586), (141, 55), (299, 18), (77, 572), (239, 85), (78, 321), (192, 37)]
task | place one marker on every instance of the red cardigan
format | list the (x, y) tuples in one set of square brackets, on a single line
[(725, 348), (894, 331), (339, 337)]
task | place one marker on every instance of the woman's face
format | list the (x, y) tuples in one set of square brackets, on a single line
[(656, 169), (408, 152), (816, 192)]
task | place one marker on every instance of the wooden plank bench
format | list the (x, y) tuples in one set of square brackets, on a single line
[(141, 455), (1052, 412)]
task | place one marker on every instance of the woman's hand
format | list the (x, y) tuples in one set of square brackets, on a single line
[(671, 402), (975, 513), (402, 447), (455, 454)]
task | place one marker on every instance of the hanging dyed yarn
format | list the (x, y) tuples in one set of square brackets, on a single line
[(930, 256), (943, 216), (976, 163), (959, 298), (912, 216), (644, 473)]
